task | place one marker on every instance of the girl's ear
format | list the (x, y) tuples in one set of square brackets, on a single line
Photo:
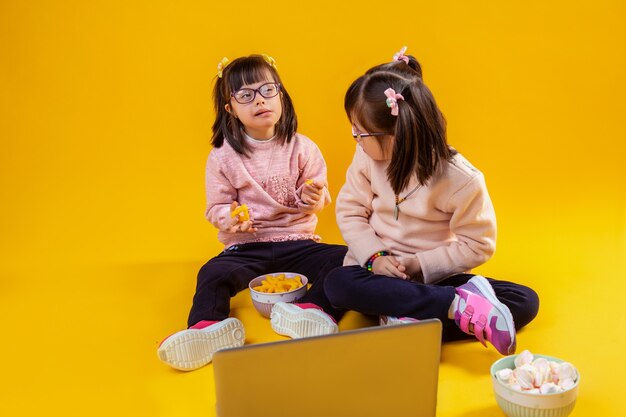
[(229, 110)]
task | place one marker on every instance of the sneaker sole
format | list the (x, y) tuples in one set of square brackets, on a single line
[(289, 320), (193, 348), (487, 291), (385, 321), (393, 321)]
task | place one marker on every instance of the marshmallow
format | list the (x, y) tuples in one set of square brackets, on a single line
[(523, 358), (538, 376), (566, 371), (504, 375), (550, 388), (541, 372), (567, 383), (525, 376)]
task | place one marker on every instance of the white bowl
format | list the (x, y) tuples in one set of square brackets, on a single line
[(263, 302), (521, 404)]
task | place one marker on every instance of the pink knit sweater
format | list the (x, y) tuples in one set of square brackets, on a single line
[(269, 182), (446, 227)]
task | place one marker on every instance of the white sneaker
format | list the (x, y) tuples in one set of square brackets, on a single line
[(296, 322), (193, 348), (394, 321)]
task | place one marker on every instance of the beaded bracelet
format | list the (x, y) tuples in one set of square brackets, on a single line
[(371, 260)]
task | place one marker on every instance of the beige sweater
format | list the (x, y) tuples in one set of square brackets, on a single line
[(446, 227)]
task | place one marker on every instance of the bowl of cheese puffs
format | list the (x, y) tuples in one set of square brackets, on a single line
[(269, 289)]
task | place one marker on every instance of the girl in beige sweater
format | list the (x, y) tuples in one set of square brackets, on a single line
[(417, 217)]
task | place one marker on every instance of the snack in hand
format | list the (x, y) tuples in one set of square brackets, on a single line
[(242, 212)]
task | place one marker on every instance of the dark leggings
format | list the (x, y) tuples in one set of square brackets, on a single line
[(355, 288), (231, 271)]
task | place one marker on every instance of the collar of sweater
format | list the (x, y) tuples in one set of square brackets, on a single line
[(250, 139)]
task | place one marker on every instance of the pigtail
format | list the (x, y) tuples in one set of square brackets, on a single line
[(226, 126), (421, 125), (289, 125), (424, 121), (407, 143), (221, 115), (420, 131)]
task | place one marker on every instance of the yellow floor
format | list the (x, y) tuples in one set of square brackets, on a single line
[(82, 341)]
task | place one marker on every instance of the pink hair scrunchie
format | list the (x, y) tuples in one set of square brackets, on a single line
[(399, 56), (392, 100)]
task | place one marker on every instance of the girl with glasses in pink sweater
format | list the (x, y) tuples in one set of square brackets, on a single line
[(417, 218), (265, 183)]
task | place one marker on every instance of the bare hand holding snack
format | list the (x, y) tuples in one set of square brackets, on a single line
[(240, 219), (311, 192)]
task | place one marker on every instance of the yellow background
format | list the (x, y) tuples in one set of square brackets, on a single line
[(105, 117)]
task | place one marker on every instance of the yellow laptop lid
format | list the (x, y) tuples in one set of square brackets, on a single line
[(375, 371)]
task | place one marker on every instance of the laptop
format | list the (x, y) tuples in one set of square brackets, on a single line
[(374, 371)]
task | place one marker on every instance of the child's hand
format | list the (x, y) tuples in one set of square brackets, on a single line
[(389, 265), (240, 220), (312, 192), (412, 267)]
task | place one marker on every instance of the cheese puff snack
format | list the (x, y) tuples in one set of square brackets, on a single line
[(242, 212), (279, 283)]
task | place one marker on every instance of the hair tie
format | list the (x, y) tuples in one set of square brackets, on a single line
[(270, 61), (399, 56), (220, 67), (392, 100)]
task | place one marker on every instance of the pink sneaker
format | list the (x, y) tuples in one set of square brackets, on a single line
[(394, 321), (301, 320), (492, 320), (194, 347)]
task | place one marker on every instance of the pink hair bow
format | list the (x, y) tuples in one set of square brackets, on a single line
[(399, 56), (392, 100)]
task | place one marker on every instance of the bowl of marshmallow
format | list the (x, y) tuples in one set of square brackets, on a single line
[(527, 385)]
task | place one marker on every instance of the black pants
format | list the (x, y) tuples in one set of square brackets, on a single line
[(355, 288), (231, 271)]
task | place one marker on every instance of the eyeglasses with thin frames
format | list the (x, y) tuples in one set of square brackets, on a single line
[(358, 136), (247, 95)]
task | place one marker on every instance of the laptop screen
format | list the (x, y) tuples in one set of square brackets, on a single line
[(374, 371)]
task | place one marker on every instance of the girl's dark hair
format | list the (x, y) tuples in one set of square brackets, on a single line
[(247, 70), (419, 129)]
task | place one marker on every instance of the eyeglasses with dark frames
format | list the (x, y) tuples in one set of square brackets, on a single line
[(358, 136), (247, 95)]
